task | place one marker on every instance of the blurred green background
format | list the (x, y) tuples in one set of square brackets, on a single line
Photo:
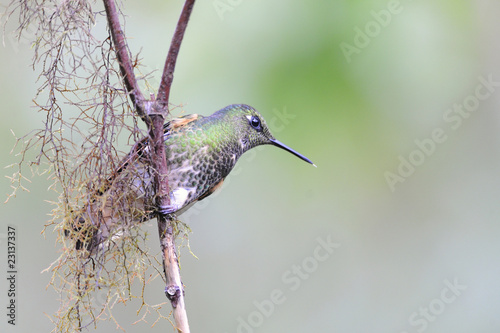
[(360, 115)]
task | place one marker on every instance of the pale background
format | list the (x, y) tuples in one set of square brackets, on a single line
[(353, 119)]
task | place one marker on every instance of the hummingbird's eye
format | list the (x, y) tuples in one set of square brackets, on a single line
[(255, 123)]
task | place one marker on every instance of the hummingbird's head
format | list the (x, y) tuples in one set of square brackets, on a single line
[(253, 130)]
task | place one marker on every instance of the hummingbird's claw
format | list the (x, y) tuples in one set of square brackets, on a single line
[(165, 210)]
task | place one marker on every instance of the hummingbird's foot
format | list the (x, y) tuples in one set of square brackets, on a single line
[(165, 210)]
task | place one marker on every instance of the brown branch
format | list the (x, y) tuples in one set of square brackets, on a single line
[(154, 113), (174, 289), (168, 70), (121, 50)]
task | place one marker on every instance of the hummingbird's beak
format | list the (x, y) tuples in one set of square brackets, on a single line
[(276, 143)]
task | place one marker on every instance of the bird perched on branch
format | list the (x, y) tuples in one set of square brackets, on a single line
[(200, 151)]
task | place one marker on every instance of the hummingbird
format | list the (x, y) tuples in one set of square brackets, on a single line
[(200, 151)]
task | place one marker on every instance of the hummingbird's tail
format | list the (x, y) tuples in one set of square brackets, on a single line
[(91, 226), (124, 199)]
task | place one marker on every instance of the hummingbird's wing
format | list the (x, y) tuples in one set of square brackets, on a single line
[(140, 148)]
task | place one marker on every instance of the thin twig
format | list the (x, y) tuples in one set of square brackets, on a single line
[(168, 70)]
